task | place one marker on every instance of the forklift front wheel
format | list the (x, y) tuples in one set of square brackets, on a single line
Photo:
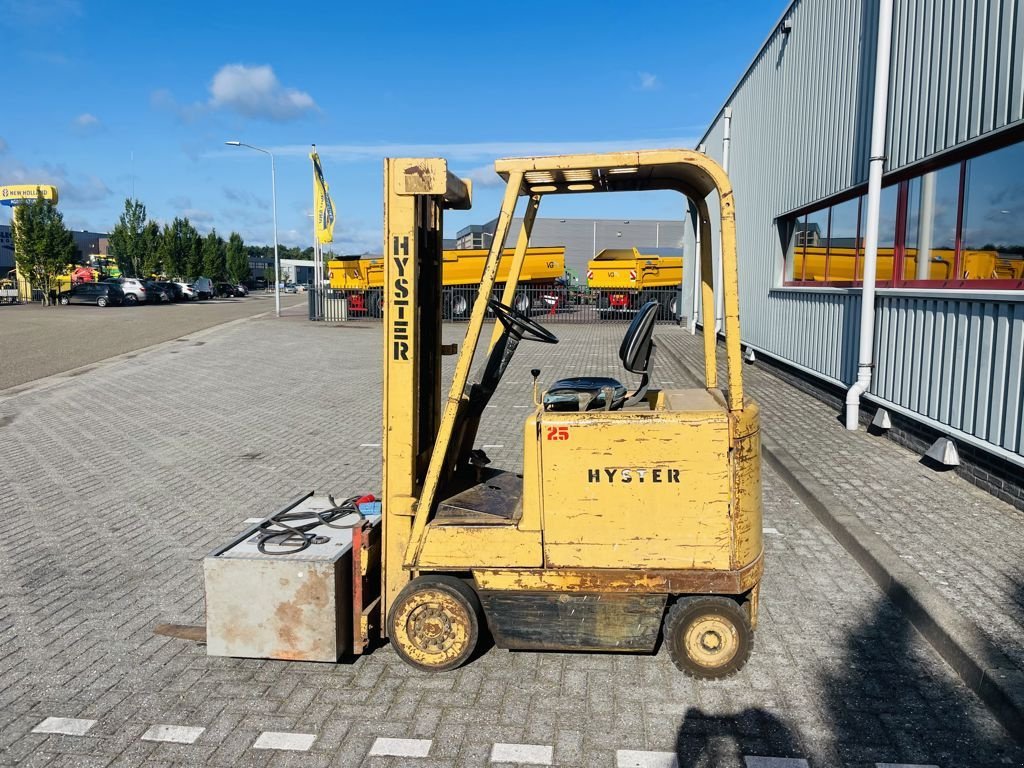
[(434, 623), (708, 637)]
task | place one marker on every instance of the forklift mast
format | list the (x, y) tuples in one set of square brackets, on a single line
[(416, 193)]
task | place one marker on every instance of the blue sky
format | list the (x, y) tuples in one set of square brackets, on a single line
[(106, 97)]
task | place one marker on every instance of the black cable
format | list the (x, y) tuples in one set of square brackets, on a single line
[(286, 533)]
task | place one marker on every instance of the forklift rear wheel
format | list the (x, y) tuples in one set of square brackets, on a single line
[(708, 637), (434, 624)]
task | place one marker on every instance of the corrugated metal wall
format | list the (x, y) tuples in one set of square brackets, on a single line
[(955, 361), (800, 133)]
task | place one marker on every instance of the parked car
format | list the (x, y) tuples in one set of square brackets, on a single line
[(229, 290), (290, 288), (204, 288), (157, 293), (101, 294), (187, 291), (133, 289), (176, 291), (243, 288)]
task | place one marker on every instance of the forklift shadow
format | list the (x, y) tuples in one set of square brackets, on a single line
[(892, 689), (721, 741)]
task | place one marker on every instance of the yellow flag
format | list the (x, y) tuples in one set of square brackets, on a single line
[(323, 206)]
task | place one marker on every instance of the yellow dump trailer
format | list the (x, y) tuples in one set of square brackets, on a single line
[(362, 280), (820, 264), (624, 279)]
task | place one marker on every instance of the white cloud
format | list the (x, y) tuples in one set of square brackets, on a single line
[(199, 217), (89, 190), (256, 92), (648, 81), (481, 176), (81, 190), (86, 123), (245, 197)]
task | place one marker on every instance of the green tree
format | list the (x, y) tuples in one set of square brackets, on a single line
[(43, 246), (176, 247), (127, 241), (237, 259), (214, 256), (152, 263), (194, 263)]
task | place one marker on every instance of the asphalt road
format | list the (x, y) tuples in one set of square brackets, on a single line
[(37, 341)]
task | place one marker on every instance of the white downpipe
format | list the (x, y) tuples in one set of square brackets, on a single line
[(865, 360), (695, 269), (719, 292), (925, 226)]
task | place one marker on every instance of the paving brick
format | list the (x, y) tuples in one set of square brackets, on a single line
[(102, 533)]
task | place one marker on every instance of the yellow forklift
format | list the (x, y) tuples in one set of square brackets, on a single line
[(637, 514)]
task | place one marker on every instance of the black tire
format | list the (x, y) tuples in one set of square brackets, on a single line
[(669, 305), (522, 303), (708, 637), (646, 297), (131, 298), (64, 300), (457, 305), (375, 304), (101, 301), (434, 623)]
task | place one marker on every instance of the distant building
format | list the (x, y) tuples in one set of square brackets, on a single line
[(6, 250), (88, 245)]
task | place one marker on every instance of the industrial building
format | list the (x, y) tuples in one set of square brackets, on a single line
[(582, 238), (795, 134), (88, 245)]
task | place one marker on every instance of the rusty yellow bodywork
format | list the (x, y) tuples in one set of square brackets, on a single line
[(636, 506)]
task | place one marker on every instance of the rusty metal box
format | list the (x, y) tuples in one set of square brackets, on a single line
[(295, 606)]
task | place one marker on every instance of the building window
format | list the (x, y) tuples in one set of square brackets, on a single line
[(960, 226)]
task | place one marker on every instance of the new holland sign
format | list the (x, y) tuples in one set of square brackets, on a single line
[(12, 194)]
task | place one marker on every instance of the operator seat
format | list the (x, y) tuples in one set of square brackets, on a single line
[(585, 393)]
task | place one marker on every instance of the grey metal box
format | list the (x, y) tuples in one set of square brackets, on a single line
[(287, 606)]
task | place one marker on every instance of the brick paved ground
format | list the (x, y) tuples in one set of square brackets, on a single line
[(105, 516), (964, 541)]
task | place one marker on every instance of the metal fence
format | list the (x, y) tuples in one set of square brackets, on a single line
[(547, 304)]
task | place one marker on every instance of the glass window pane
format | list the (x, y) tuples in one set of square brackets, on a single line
[(992, 242), (815, 237), (931, 224), (795, 254), (886, 232), (842, 243)]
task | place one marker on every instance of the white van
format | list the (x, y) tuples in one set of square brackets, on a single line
[(203, 287)]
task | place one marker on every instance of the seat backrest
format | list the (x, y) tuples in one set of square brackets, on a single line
[(634, 352)]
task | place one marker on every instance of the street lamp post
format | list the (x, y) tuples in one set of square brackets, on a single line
[(273, 198)]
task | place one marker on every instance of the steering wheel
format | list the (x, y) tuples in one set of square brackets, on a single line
[(519, 325)]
